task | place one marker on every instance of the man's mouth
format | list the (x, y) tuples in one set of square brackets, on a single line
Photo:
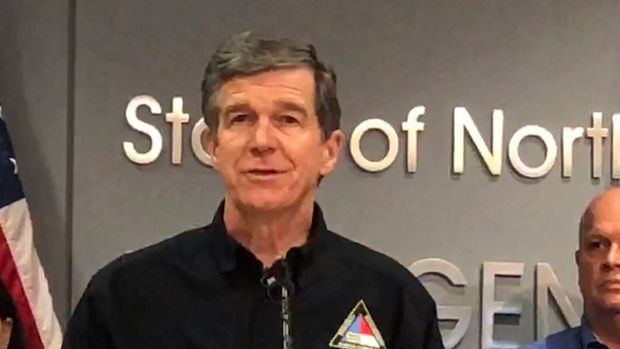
[(611, 285), (264, 173)]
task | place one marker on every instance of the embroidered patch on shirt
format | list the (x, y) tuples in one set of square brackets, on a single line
[(358, 331)]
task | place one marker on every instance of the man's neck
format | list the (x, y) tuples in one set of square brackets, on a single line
[(606, 327), (269, 234)]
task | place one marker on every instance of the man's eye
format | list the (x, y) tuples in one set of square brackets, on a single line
[(289, 120), (596, 245), (239, 118)]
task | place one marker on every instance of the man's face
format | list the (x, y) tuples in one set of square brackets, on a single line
[(598, 257), (269, 147)]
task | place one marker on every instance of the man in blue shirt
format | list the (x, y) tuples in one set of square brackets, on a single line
[(598, 261)]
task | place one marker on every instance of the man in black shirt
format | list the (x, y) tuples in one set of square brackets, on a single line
[(266, 273)]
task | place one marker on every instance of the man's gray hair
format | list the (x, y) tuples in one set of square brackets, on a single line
[(245, 54)]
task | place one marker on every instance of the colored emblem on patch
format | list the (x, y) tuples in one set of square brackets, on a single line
[(358, 331)]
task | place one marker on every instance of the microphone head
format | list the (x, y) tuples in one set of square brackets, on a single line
[(276, 278)]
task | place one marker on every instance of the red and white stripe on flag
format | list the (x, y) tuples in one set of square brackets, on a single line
[(21, 272)]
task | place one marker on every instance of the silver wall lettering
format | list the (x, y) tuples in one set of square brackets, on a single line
[(547, 284), (412, 126), (551, 151), (356, 152), (132, 119), (490, 152), (197, 135), (492, 159), (615, 148), (462, 314), (177, 118), (597, 132), (15, 166), (490, 306), (569, 135)]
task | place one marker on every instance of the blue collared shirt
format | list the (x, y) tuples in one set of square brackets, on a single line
[(580, 337)]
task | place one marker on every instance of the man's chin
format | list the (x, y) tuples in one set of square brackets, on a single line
[(266, 200), (613, 305), (611, 302), (264, 204)]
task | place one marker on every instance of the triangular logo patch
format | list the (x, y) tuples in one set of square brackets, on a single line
[(358, 331)]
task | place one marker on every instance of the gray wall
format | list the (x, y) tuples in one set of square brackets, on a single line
[(550, 63)]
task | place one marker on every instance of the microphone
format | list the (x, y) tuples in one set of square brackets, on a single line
[(278, 278)]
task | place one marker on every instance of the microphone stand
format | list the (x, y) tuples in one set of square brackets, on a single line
[(281, 276), (287, 339)]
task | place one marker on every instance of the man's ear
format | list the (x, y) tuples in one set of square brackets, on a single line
[(209, 143), (6, 327), (578, 257), (331, 151)]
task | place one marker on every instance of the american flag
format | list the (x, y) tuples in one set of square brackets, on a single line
[(20, 270)]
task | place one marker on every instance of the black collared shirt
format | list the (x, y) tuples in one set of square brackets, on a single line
[(201, 289)]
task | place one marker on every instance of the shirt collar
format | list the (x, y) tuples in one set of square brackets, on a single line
[(227, 251), (588, 338)]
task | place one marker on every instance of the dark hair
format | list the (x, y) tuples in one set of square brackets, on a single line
[(8, 310), (245, 54)]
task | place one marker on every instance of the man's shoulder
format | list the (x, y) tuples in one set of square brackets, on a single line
[(181, 245), (382, 266), (176, 251), (536, 345), (374, 261), (567, 339)]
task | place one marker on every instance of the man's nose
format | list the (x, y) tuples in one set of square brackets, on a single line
[(612, 259), (263, 138)]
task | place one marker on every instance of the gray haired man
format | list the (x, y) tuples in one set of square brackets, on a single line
[(266, 272)]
